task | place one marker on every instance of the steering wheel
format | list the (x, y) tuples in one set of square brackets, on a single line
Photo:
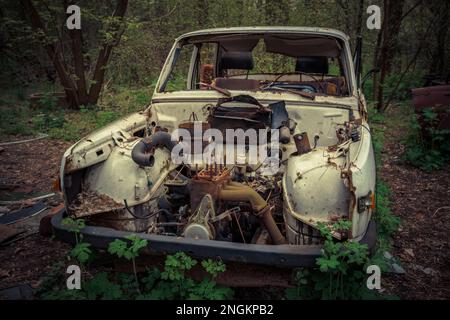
[(306, 88), (301, 87)]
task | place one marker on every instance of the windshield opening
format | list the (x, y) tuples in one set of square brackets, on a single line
[(306, 65)]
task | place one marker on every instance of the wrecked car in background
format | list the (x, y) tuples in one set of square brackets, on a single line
[(302, 82)]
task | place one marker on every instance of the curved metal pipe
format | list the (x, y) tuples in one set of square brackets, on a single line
[(143, 151), (140, 155), (244, 195), (239, 192), (272, 227)]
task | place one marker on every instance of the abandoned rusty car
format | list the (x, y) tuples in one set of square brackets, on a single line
[(301, 87)]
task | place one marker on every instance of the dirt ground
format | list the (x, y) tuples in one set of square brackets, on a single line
[(28, 170), (422, 201), (422, 244)]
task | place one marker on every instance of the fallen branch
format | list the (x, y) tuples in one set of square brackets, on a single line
[(442, 208), (3, 202), (41, 136)]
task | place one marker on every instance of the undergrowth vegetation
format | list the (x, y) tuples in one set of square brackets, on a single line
[(341, 270), (18, 117), (427, 145), (410, 81), (172, 282)]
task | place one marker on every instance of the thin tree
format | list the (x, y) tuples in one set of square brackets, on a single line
[(75, 86)]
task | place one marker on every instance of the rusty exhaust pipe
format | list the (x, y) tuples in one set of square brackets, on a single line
[(240, 193)]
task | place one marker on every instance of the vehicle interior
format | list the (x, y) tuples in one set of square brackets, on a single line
[(313, 65)]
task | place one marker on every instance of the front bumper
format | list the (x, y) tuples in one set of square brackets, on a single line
[(279, 256)]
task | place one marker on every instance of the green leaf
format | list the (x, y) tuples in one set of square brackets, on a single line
[(117, 247), (81, 252)]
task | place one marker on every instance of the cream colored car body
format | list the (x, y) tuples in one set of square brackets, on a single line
[(317, 186)]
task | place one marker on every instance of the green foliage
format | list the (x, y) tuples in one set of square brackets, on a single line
[(74, 225), (16, 117), (53, 287), (128, 251), (51, 117), (169, 284), (410, 81), (176, 82), (100, 287), (387, 223), (302, 290), (81, 252), (214, 268), (15, 121), (51, 282), (78, 124), (172, 283), (368, 89), (114, 105), (176, 266), (341, 273), (427, 147)]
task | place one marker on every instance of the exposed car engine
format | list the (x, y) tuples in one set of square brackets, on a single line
[(216, 200)]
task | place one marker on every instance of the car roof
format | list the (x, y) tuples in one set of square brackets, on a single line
[(256, 30)]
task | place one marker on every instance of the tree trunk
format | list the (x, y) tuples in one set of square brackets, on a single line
[(392, 21), (54, 55), (441, 12), (105, 52), (77, 51), (360, 18), (376, 55)]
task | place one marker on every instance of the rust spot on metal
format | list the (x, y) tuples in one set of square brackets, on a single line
[(302, 143)]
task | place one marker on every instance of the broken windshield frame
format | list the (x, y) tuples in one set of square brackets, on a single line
[(194, 84)]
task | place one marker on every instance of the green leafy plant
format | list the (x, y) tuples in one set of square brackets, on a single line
[(81, 252), (15, 120), (302, 288), (75, 226), (172, 283), (52, 116), (100, 287), (129, 251), (341, 269), (214, 268), (427, 146), (387, 223), (176, 265)]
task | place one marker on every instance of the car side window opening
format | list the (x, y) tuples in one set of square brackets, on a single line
[(177, 79)]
